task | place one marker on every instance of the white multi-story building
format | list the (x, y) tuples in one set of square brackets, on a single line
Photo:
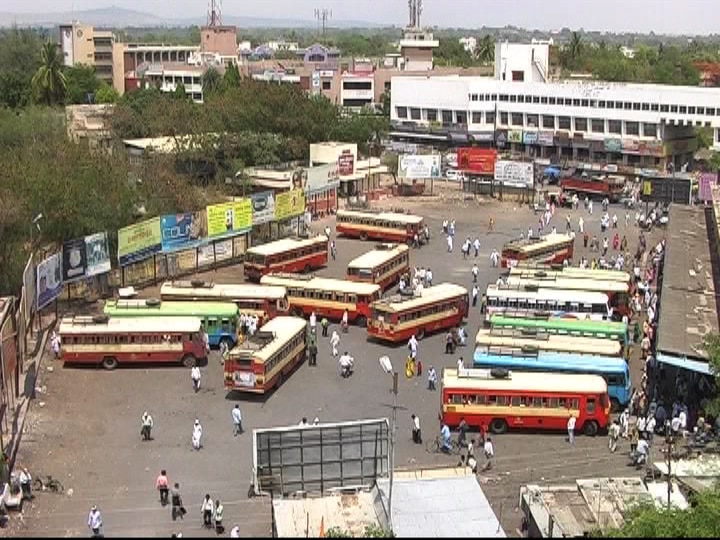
[(645, 125)]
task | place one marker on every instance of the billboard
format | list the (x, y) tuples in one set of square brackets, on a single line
[(322, 177), (289, 204), (263, 207), (97, 254), (515, 136), (514, 173), (477, 160), (181, 231), (546, 138), (346, 163), (139, 241), (229, 219), (74, 260), (415, 166), (49, 280)]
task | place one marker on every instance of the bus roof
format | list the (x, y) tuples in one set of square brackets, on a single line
[(549, 294), (428, 295), (383, 216), (570, 284), (551, 271), (90, 325), (553, 361), (480, 379), (234, 291), (550, 342), (560, 324), (281, 328), (141, 308), (286, 244), (308, 281), (379, 255), (535, 243)]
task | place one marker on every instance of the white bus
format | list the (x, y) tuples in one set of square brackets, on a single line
[(514, 342)]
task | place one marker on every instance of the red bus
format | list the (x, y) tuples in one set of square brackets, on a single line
[(286, 255), (437, 308), (605, 186), (384, 265), (326, 297), (109, 342), (262, 361), (548, 249), (263, 301), (498, 399), (388, 226)]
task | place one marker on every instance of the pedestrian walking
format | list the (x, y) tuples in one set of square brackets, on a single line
[(429, 277), (218, 517), (476, 246), (178, 510), (312, 354), (95, 522), (613, 436), (197, 435), (568, 225), (195, 376), (416, 434), (590, 207), (237, 420), (475, 292), (475, 271), (146, 425), (460, 366), (571, 428), (161, 484), (327, 231), (491, 224), (333, 250), (324, 324), (489, 452), (313, 321), (55, 345), (449, 243), (207, 508), (432, 378), (334, 342), (235, 532)]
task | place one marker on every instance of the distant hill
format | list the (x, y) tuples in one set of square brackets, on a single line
[(117, 17)]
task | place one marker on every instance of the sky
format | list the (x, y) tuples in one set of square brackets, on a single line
[(660, 16)]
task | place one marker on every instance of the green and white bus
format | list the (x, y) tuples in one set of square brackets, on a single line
[(219, 319), (617, 331)]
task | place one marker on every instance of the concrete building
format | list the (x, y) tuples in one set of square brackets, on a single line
[(282, 45), (221, 40), (167, 76), (416, 49), (91, 124), (83, 44), (137, 57), (357, 90), (520, 62)]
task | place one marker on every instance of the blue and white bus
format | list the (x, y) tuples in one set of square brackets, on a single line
[(614, 370)]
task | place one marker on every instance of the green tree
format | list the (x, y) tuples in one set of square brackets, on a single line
[(211, 81), (575, 48), (451, 52), (49, 81), (179, 92), (712, 347), (81, 83), (19, 59), (106, 94), (231, 78), (485, 49), (386, 103)]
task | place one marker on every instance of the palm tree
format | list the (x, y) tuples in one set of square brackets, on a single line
[(485, 49), (575, 47), (49, 82), (211, 81)]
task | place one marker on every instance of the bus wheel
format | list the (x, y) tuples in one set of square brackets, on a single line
[(420, 333), (280, 379), (498, 426), (614, 405), (361, 321), (363, 236), (188, 360), (109, 362), (590, 428), (307, 269)]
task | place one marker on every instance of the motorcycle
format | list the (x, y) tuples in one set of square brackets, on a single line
[(346, 368)]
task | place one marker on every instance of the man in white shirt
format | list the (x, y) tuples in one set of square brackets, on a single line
[(475, 271), (237, 421), (642, 450), (449, 243), (476, 245), (494, 258), (95, 521), (195, 376), (416, 434), (432, 378), (460, 366), (313, 320), (412, 346), (489, 453), (334, 342), (571, 429), (429, 277)]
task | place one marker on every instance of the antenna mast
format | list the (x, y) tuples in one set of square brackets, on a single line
[(214, 14), (322, 15), (415, 9)]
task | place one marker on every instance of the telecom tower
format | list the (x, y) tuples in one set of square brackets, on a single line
[(415, 8), (214, 14)]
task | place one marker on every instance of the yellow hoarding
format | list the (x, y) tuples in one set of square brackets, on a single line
[(139, 241), (289, 204), (227, 219)]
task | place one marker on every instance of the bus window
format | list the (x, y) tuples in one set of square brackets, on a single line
[(456, 399), (554, 403), (492, 400), (515, 401), (590, 406), (562, 402), (574, 403), (537, 402)]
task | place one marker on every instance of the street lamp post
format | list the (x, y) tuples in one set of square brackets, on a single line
[(669, 441), (387, 367)]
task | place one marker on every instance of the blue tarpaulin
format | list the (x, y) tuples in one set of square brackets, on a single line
[(552, 171)]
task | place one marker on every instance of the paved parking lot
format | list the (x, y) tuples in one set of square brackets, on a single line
[(86, 432)]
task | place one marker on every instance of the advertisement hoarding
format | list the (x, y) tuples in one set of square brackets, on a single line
[(230, 218), (97, 254), (415, 166), (181, 231), (477, 160), (289, 204), (74, 260), (515, 136), (514, 173), (322, 178), (49, 280), (263, 207), (546, 138), (139, 241), (346, 163)]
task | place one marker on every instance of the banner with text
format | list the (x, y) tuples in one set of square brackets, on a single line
[(289, 204), (230, 218), (74, 257), (514, 173), (322, 178), (97, 254), (49, 280), (415, 166), (139, 241), (181, 231), (263, 207)]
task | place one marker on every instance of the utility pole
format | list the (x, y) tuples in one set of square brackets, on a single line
[(322, 15), (387, 368), (214, 15), (669, 440)]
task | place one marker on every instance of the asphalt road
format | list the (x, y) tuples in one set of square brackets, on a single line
[(84, 426)]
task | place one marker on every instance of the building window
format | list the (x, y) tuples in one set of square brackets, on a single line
[(473, 97), (326, 85), (581, 124), (691, 110), (548, 122), (536, 99), (490, 117), (627, 106), (615, 126), (564, 123), (632, 128), (431, 115), (516, 119), (552, 101), (401, 112), (477, 117), (503, 97), (650, 130), (710, 111), (461, 117), (654, 107), (494, 97), (601, 104), (531, 120), (701, 110), (585, 103), (664, 108), (447, 117), (513, 98), (518, 75), (521, 99), (414, 113), (481, 97), (673, 108), (610, 104), (503, 119), (544, 100), (576, 102), (597, 125), (645, 106), (636, 106), (683, 109)]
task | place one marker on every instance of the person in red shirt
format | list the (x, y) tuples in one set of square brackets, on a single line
[(161, 484)]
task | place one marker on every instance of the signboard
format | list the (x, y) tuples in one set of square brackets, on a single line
[(667, 190), (217, 251), (346, 163), (515, 136), (514, 173), (49, 280), (97, 254), (263, 207), (483, 136), (546, 138), (181, 231), (530, 137), (139, 241), (501, 137), (74, 260), (613, 145), (403, 147), (477, 160), (415, 166), (322, 178), (631, 145), (316, 79), (230, 218), (289, 204), (650, 148)]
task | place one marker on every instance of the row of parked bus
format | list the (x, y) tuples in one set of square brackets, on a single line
[(553, 321)]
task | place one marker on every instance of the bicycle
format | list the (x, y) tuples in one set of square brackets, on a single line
[(435, 447), (48, 483)]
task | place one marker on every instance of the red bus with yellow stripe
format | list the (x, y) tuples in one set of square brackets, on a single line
[(286, 255), (383, 266), (384, 226)]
